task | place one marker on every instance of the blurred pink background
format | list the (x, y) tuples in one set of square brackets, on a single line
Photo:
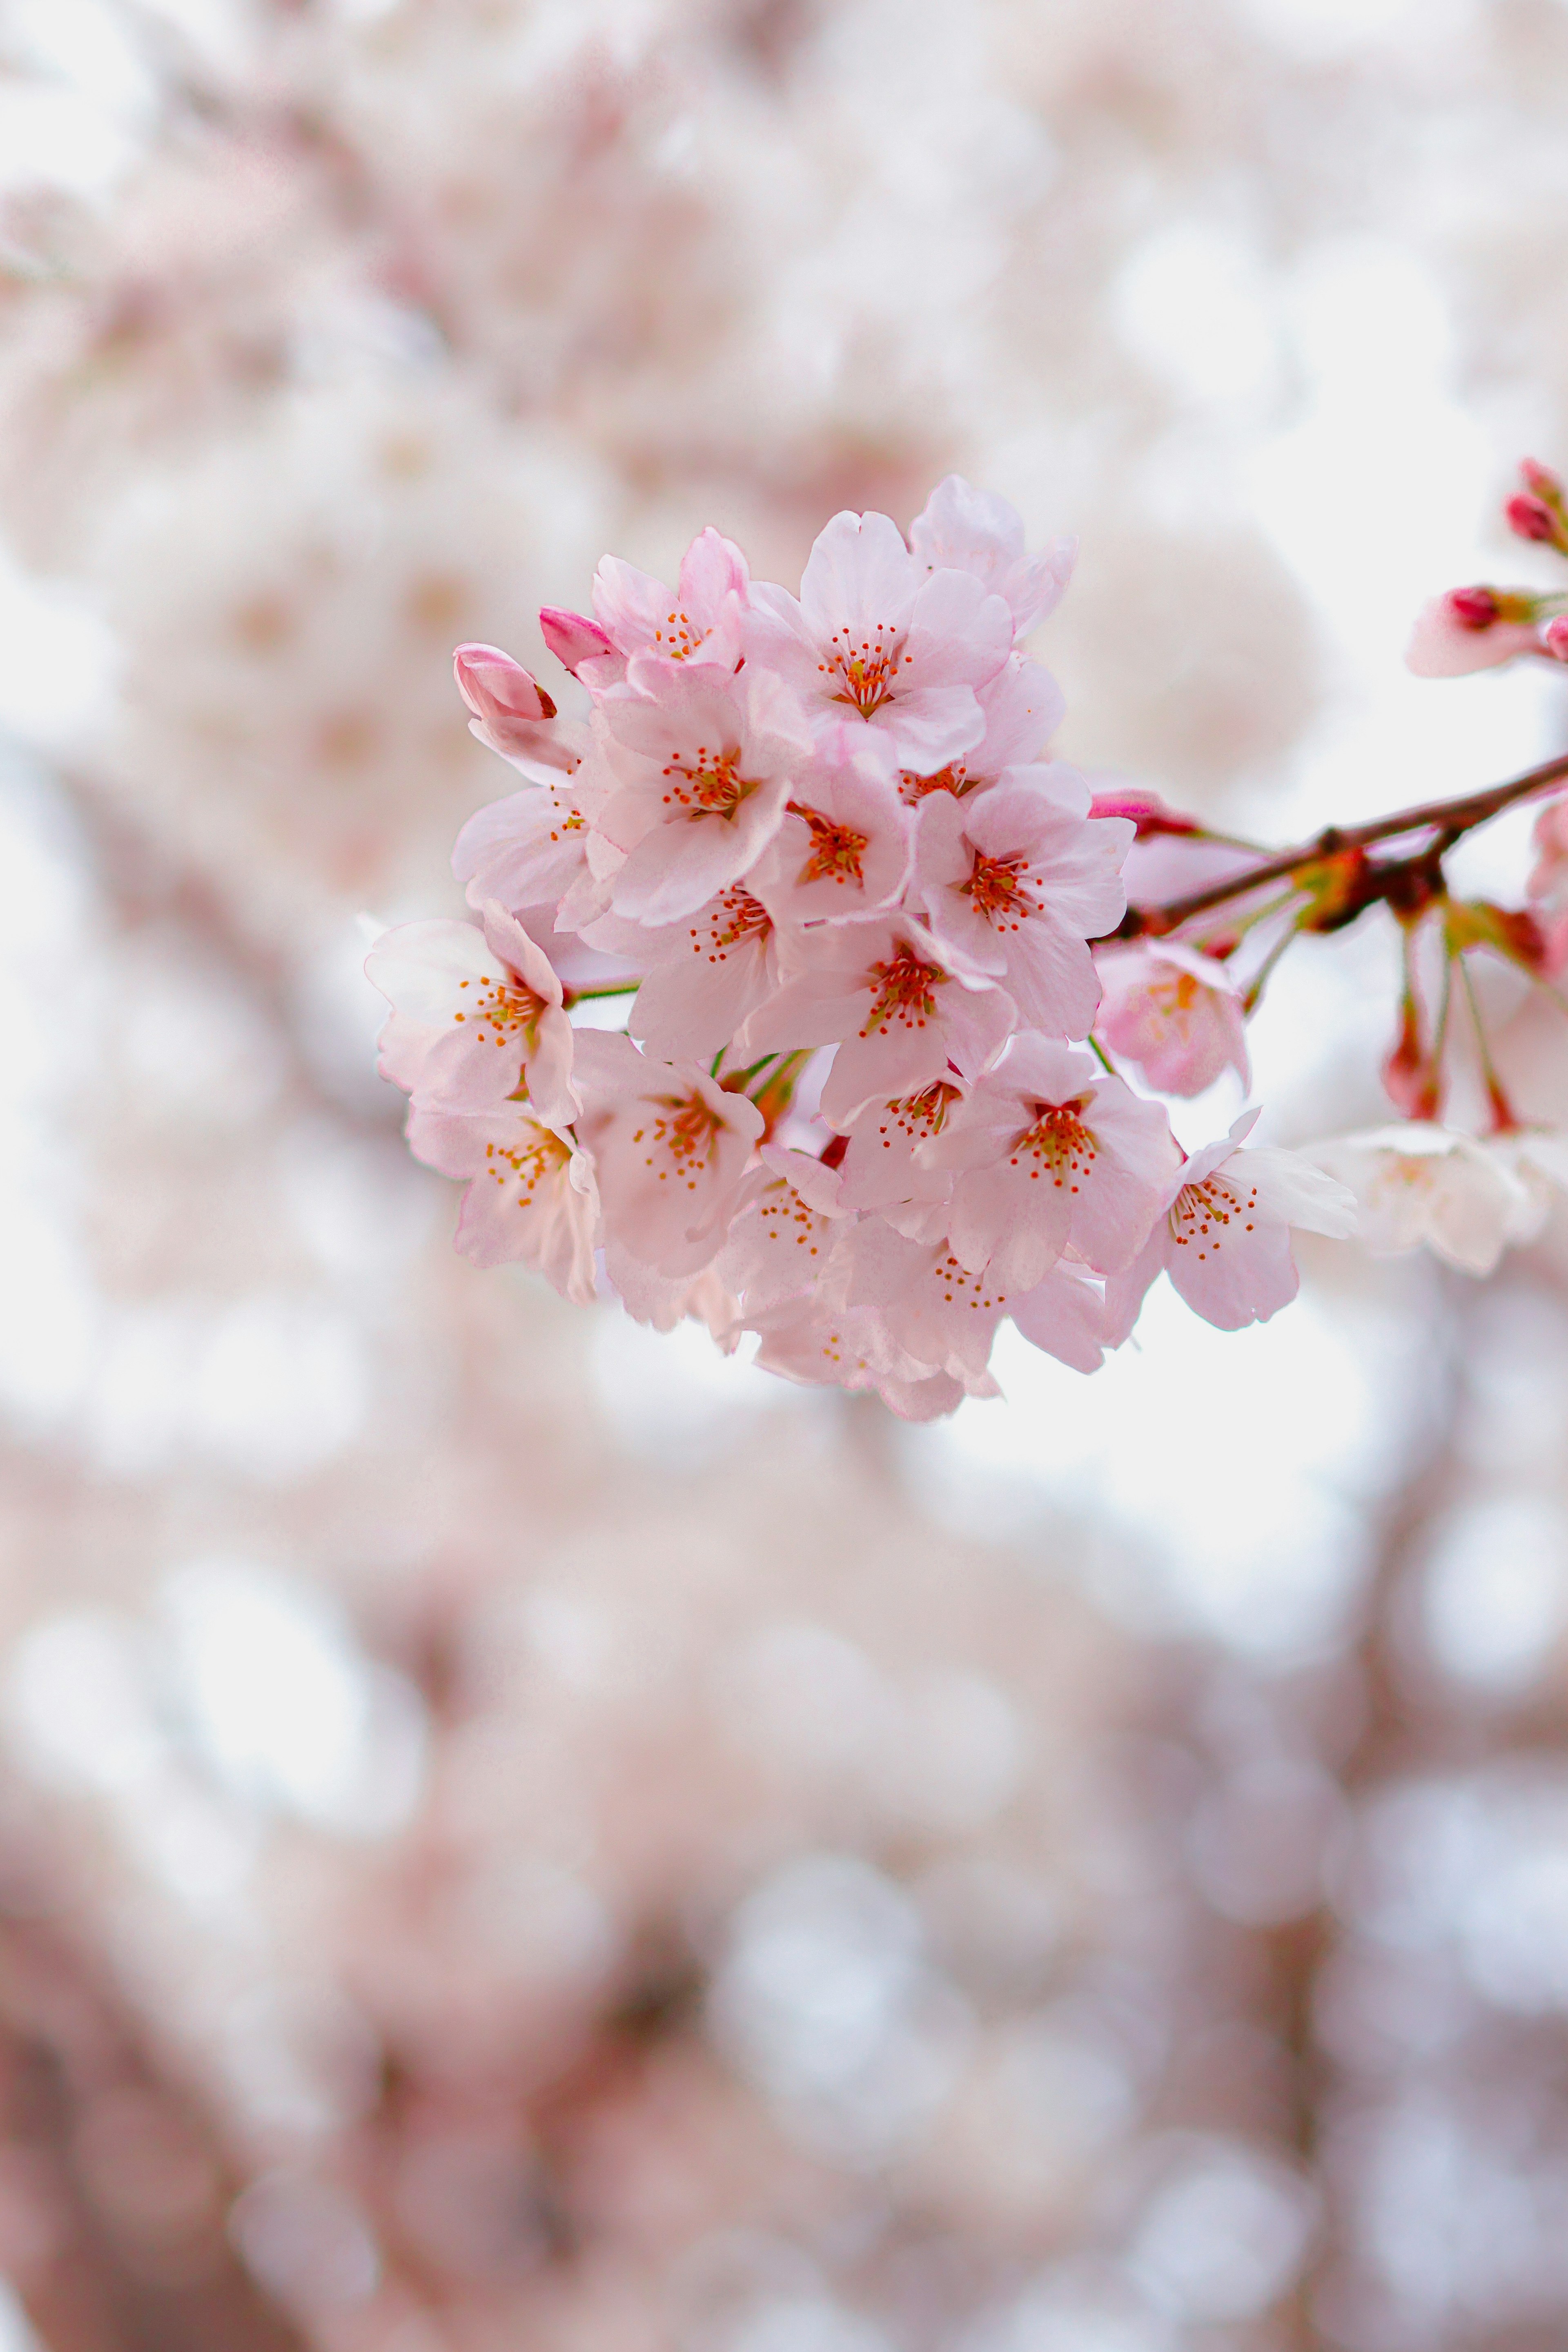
[(517, 1832)]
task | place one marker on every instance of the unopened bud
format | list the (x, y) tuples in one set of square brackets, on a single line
[(1541, 480), (572, 637), (1531, 518), (497, 688), (1554, 637), (1474, 608)]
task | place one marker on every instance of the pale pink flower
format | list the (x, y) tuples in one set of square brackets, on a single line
[(1177, 1015), (821, 1344), (700, 620), (664, 1300), (1224, 1240), (874, 636), (1048, 1150), (531, 1197), (883, 1169), (705, 976), (782, 1230), (700, 771), (1452, 636), (932, 1307), (1066, 1316), (900, 1008), (1536, 1158), (528, 850), (842, 852), (1549, 876), (509, 704), (1420, 1182), (477, 1014), (1022, 707), (961, 529), (1017, 887), (670, 1149)]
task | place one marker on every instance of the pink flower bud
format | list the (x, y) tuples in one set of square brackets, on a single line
[(497, 689), (1148, 812), (572, 637), (1540, 479), (1473, 608), (1531, 518), (1554, 637)]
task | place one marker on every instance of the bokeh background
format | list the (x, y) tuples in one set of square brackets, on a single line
[(519, 1836)]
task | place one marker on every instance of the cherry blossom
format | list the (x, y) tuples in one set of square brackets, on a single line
[(1022, 708), (670, 1148), (1224, 1239), (705, 976), (1047, 1151), (873, 635), (477, 1014), (782, 1230), (961, 529), (1423, 1184), (699, 620), (531, 1196), (823, 1344), (842, 851), (1017, 887), (701, 770), (1469, 629), (1070, 1316), (1178, 1015), (937, 1310), (899, 1007), (527, 850), (883, 1166)]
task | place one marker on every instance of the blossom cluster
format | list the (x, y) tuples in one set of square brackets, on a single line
[(812, 857)]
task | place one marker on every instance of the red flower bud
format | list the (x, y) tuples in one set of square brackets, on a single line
[(497, 688), (1474, 608), (1531, 518), (1540, 479)]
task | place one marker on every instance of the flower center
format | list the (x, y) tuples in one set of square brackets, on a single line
[(530, 1164), (710, 784), (686, 1129), (679, 636), (500, 1010), (996, 890), (1202, 1213), (1059, 1144), (954, 778), (904, 992), (867, 672), (918, 1118), (836, 849), (734, 916)]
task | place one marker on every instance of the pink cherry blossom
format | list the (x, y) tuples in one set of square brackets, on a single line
[(528, 850), (782, 1230), (961, 529), (1067, 1316), (670, 1149), (1177, 1015), (872, 635), (1420, 1182), (1452, 637), (700, 770), (705, 976), (1048, 1150), (1022, 708), (574, 638), (1017, 887), (1549, 876), (477, 1013), (842, 852), (531, 1196), (699, 620), (932, 1307), (882, 1165), (900, 1008), (507, 701), (827, 1345), (664, 1300), (1224, 1239)]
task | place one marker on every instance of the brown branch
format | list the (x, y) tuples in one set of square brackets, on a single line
[(1450, 818)]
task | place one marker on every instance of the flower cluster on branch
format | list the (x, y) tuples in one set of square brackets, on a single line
[(803, 995)]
